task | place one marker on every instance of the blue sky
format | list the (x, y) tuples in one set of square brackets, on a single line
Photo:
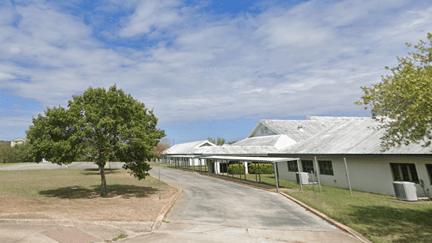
[(207, 68)]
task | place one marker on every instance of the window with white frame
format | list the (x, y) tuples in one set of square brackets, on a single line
[(404, 172)]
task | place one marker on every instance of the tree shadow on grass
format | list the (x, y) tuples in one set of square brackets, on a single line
[(96, 171), (78, 192), (397, 224)]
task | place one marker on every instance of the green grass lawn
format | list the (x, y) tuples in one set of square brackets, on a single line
[(72, 183), (380, 218)]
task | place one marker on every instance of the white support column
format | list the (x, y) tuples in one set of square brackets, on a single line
[(317, 173), (347, 175), (246, 168), (216, 167), (276, 177), (299, 170)]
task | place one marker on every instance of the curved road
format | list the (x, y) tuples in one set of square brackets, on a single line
[(212, 210)]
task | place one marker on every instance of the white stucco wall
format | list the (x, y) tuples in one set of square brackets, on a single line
[(366, 174)]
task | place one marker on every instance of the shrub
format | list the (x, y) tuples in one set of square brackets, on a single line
[(18, 153), (7, 153), (236, 169), (263, 168), (23, 153)]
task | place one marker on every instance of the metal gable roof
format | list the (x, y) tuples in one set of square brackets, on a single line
[(185, 148), (277, 141), (225, 150), (352, 136), (297, 130)]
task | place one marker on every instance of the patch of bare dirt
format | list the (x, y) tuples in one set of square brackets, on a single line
[(127, 205)]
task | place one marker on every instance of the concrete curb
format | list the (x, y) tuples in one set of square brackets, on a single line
[(328, 219), (158, 222), (144, 226)]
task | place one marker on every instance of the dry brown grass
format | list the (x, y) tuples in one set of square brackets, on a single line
[(74, 194)]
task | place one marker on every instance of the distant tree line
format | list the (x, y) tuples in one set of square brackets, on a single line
[(18, 153)]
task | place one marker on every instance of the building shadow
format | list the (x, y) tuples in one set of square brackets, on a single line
[(78, 192)]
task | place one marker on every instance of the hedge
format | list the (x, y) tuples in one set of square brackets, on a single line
[(236, 169), (263, 168)]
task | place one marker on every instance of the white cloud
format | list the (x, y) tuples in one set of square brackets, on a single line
[(310, 59), (152, 15)]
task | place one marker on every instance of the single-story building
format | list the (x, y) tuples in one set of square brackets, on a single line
[(184, 152), (334, 148)]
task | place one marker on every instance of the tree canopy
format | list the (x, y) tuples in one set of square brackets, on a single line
[(218, 141), (402, 101), (101, 124)]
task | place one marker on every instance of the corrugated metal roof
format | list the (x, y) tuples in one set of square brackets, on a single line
[(351, 136), (272, 140), (222, 150), (298, 130), (320, 135), (185, 148)]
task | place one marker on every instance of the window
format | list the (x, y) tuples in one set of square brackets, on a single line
[(325, 167), (404, 172), (292, 166), (429, 170), (307, 166)]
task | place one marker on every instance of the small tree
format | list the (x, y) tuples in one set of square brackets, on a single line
[(219, 141), (160, 147), (402, 102), (100, 124), (166, 142)]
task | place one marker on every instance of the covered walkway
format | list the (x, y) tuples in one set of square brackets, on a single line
[(219, 165)]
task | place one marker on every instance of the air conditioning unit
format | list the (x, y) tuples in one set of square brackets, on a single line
[(405, 190), (304, 178)]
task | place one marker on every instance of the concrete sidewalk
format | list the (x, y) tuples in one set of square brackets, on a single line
[(64, 231)]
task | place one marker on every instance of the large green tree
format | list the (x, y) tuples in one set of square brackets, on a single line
[(102, 125), (402, 101)]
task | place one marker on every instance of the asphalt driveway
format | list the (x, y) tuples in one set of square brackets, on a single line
[(213, 210)]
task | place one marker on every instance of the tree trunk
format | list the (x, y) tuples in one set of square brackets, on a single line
[(103, 181)]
